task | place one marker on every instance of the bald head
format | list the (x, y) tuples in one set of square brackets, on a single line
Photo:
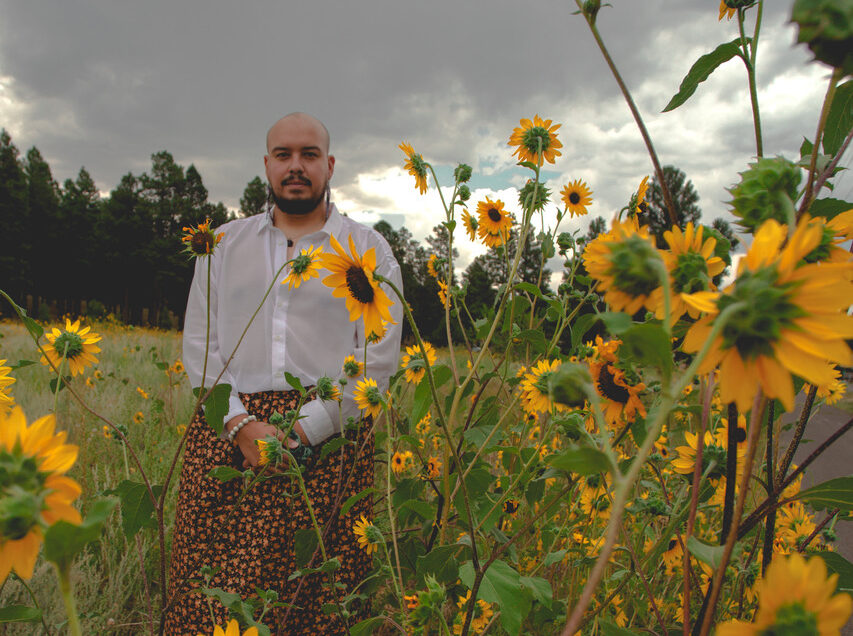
[(297, 122)]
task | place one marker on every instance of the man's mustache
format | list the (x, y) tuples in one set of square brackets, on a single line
[(298, 180)]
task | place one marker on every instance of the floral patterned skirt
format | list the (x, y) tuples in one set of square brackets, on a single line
[(252, 546)]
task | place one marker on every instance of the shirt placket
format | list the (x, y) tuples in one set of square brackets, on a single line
[(279, 314)]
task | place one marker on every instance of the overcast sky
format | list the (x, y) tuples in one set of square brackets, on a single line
[(104, 84)]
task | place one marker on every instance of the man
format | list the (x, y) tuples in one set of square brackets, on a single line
[(305, 331)]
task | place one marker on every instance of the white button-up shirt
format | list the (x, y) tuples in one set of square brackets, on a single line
[(304, 331)]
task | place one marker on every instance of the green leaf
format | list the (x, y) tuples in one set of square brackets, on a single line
[(501, 585), (450, 225), (837, 564), (541, 589), (367, 626), (423, 394), (583, 460), (835, 493), (62, 383), (527, 164), (701, 70), (806, 148), (137, 509), (648, 344), (611, 629), (216, 406), (536, 339), (441, 562), (423, 509), (21, 364), (33, 327), (19, 614), (530, 288), (617, 322), (304, 544), (581, 326), (293, 381), (840, 118), (710, 554), (224, 473), (555, 557), (349, 503), (64, 540), (332, 445), (829, 208)]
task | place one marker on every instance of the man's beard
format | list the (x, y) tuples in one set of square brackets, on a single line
[(298, 207)]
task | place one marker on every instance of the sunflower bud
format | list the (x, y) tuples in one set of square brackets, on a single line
[(565, 242), (276, 419), (570, 384), (826, 26), (766, 191), (535, 195), (19, 512), (739, 4), (462, 173), (464, 192)]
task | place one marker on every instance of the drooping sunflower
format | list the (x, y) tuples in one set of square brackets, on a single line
[(416, 166), (367, 396), (618, 390), (534, 388), (576, 195), (5, 381), (352, 279), (304, 267), (414, 364), (834, 391), (431, 266), (793, 525), (672, 556), (625, 261), (232, 629), (200, 240), (795, 597), (73, 344), (442, 293), (790, 318), (433, 468), (536, 141), (692, 265), (726, 11), (638, 201), (352, 368), (471, 224), (493, 222), (400, 461), (33, 488)]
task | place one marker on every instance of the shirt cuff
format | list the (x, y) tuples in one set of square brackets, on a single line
[(317, 423)]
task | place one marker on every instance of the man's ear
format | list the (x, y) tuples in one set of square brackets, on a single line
[(331, 165)]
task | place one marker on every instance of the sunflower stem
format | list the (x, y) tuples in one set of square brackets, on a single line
[(635, 112), (34, 600), (67, 592), (398, 584), (748, 57), (810, 193), (59, 380)]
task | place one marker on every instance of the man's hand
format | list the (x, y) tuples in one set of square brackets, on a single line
[(248, 436)]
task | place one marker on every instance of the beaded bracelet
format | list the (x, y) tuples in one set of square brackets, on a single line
[(233, 432)]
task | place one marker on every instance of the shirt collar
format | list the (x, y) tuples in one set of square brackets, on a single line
[(332, 226)]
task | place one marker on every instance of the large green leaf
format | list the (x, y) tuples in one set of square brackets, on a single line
[(304, 544), (701, 70), (501, 585), (710, 554), (540, 588), (583, 460), (137, 509), (837, 564), (840, 118), (216, 406), (441, 562), (19, 614), (617, 322), (367, 626), (63, 540), (349, 503), (611, 629), (648, 344), (535, 338), (829, 208), (580, 326), (835, 493), (224, 473), (423, 395)]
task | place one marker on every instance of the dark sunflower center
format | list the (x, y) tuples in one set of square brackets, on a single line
[(510, 506), (672, 544), (766, 310), (574, 198), (202, 243), (793, 619), (608, 387), (740, 435), (69, 345), (690, 274), (495, 215), (359, 285), (533, 135), (631, 266)]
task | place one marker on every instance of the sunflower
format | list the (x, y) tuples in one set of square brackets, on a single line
[(576, 196), (793, 525), (200, 240), (178, 367), (352, 368), (795, 597), (623, 261), (416, 166), (374, 335), (511, 506), (433, 468), (74, 344), (672, 555), (5, 381), (834, 391), (638, 201), (415, 373), (619, 391), (142, 392), (482, 614), (412, 601), (304, 267), (138, 417), (368, 397), (108, 432), (442, 293), (431, 266), (536, 140), (534, 388), (33, 489), (493, 222), (232, 629), (725, 11), (400, 461), (327, 390), (352, 279), (691, 264), (471, 224), (791, 319)]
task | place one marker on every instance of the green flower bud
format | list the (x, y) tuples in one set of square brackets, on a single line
[(527, 192), (570, 384), (276, 419), (462, 173), (19, 512), (766, 191), (464, 193), (826, 26), (565, 242), (739, 4)]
